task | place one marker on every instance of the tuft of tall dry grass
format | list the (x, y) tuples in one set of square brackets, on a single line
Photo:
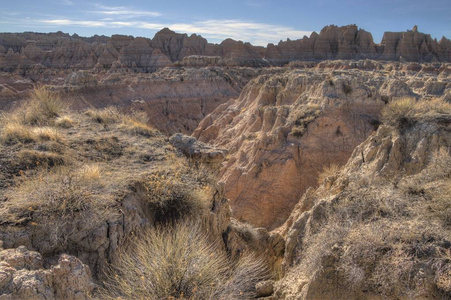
[(134, 123), (12, 133), (45, 105), (331, 172), (181, 263), (405, 112), (172, 198), (41, 110), (59, 200), (108, 115)]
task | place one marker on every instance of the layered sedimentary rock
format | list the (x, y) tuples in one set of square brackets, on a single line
[(175, 100), (62, 51), (284, 128), (374, 225)]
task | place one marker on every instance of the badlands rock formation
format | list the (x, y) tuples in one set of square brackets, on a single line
[(376, 225), (175, 99), (23, 276), (29, 52), (285, 128)]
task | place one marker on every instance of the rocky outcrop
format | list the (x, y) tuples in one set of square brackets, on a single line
[(176, 46), (285, 128), (23, 276), (80, 78), (347, 42), (131, 155), (196, 150), (62, 51), (363, 218)]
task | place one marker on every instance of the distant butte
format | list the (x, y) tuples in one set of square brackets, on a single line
[(25, 51)]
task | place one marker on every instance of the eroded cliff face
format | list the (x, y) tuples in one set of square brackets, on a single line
[(285, 128), (175, 99), (30, 51), (372, 228)]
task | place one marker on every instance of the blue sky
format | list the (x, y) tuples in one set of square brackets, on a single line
[(256, 21)]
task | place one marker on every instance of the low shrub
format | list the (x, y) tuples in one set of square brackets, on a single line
[(302, 118)]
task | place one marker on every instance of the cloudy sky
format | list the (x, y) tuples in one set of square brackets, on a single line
[(256, 21)]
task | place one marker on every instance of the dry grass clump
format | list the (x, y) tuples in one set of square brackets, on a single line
[(180, 263), (12, 133), (45, 105), (29, 159), (405, 112), (64, 122), (330, 172), (90, 172), (135, 127), (58, 201), (48, 134), (41, 110), (172, 197), (303, 117), (108, 115), (134, 123)]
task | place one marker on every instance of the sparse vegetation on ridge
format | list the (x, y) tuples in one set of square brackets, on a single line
[(387, 236), (71, 180), (404, 112)]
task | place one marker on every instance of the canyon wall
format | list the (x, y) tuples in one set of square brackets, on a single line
[(285, 128)]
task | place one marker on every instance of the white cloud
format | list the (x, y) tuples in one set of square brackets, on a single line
[(123, 11), (214, 30)]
